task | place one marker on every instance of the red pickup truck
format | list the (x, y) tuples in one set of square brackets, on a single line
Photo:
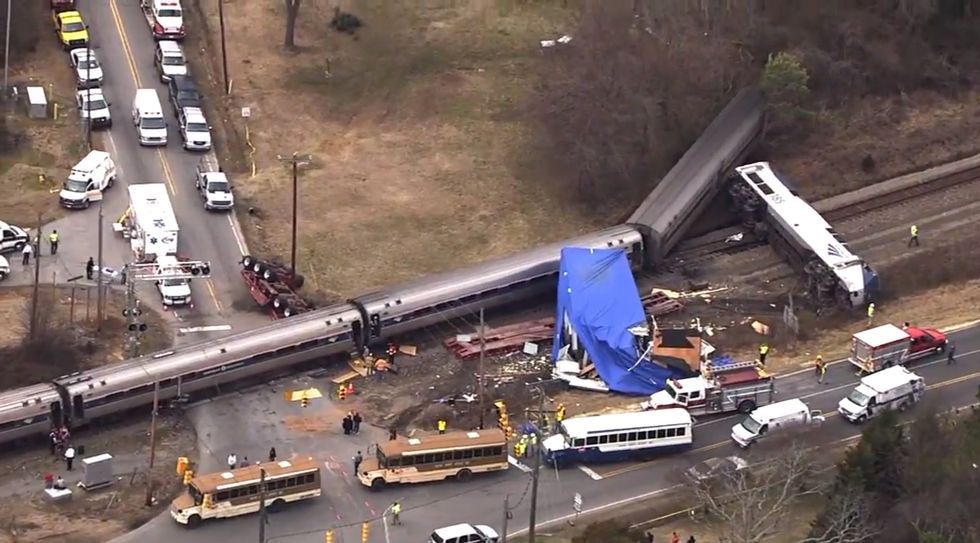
[(888, 345)]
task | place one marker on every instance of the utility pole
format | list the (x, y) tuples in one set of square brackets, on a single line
[(536, 470), (503, 532), (37, 278), (134, 328), (99, 311), (153, 443), (6, 52), (262, 519), (296, 160), (224, 48), (483, 374)]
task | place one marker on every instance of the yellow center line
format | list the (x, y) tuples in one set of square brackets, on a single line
[(167, 173), (828, 415)]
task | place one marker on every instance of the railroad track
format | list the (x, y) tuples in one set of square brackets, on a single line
[(904, 189)]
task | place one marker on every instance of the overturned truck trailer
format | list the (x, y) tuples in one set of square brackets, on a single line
[(668, 212)]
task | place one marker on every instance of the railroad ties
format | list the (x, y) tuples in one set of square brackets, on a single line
[(513, 337)]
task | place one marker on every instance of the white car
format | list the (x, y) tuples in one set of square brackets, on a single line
[(464, 533), (93, 106), (169, 59), (88, 69), (195, 130), (4, 268)]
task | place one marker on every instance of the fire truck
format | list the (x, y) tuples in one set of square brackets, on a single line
[(888, 345), (738, 386)]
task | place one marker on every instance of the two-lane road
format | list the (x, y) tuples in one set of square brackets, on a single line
[(603, 487), (125, 45)]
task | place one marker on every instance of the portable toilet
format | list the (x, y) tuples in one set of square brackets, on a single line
[(37, 103)]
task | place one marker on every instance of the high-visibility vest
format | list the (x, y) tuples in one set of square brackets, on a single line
[(442, 426), (914, 230), (560, 414), (763, 349), (871, 310), (396, 509), (53, 237)]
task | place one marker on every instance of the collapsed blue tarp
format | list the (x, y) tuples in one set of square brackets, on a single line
[(597, 296)]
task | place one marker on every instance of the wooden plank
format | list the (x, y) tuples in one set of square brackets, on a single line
[(358, 366), (340, 379), (587, 369)]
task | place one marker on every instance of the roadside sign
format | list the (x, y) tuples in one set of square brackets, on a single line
[(246, 112), (577, 503)]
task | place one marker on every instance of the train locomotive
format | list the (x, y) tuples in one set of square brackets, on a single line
[(835, 276), (77, 399)]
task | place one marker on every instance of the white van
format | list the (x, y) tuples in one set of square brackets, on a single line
[(775, 417), (94, 173), (891, 388), (464, 533), (148, 118)]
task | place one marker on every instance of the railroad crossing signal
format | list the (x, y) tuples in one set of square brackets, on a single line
[(182, 464), (188, 475), (329, 536), (365, 532), (303, 396)]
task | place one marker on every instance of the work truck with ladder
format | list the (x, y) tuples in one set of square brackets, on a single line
[(720, 388)]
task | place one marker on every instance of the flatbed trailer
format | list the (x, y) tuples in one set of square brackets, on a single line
[(274, 287)]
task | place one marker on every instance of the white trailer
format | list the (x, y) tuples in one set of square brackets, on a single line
[(153, 226)]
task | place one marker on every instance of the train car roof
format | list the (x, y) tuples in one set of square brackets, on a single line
[(536, 262), (17, 399)]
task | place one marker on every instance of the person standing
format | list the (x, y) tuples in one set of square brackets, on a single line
[(69, 457), (392, 434), (914, 236), (951, 353), (53, 440), (89, 268), (232, 461), (821, 369), (244, 463), (53, 241), (396, 513), (871, 313), (674, 538), (691, 540), (442, 426), (26, 254), (763, 352), (347, 425), (357, 462), (272, 454), (356, 419)]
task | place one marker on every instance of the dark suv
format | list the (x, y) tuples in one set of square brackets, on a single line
[(183, 93)]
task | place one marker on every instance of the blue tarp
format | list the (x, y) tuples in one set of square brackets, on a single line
[(597, 295)]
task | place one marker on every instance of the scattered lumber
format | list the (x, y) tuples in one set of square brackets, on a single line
[(659, 304), (504, 338)]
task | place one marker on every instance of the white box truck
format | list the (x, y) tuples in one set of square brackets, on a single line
[(891, 388), (93, 174), (774, 418), (153, 226)]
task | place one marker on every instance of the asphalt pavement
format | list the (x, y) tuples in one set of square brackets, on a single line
[(124, 44), (251, 421)]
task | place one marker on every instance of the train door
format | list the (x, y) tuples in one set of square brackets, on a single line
[(78, 407), (56, 414)]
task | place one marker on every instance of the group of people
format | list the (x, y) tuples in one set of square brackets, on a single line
[(674, 538), (28, 249), (352, 423), (526, 444), (233, 459), (50, 482)]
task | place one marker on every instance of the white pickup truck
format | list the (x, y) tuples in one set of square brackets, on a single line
[(165, 18), (213, 185)]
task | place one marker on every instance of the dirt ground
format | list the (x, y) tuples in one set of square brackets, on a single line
[(48, 147), (420, 161), (100, 515), (84, 346)]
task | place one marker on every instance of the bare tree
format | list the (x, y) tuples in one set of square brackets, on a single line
[(849, 518), (754, 503), (292, 12)]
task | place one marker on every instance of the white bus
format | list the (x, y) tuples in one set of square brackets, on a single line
[(238, 492), (619, 436)]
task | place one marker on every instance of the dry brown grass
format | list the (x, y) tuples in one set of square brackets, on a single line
[(101, 515), (422, 158), (901, 134), (49, 147)]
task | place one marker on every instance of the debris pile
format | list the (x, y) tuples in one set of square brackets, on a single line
[(502, 339)]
